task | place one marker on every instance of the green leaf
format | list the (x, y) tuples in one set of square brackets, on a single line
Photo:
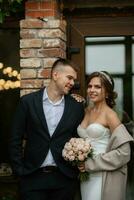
[(1, 17), (83, 176), (10, 7), (19, 1)]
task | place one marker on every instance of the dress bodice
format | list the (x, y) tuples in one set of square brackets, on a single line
[(98, 136)]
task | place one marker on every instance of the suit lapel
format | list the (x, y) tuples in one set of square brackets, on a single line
[(38, 102)]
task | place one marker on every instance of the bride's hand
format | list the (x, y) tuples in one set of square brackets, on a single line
[(81, 167)]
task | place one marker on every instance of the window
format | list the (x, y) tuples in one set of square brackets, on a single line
[(115, 55)]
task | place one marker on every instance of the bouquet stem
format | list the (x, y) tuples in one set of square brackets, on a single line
[(83, 176)]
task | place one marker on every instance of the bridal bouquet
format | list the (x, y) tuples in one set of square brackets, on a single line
[(78, 150)]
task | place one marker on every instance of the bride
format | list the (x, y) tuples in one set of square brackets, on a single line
[(109, 139)]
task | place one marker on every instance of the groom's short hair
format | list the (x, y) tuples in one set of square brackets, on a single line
[(61, 63)]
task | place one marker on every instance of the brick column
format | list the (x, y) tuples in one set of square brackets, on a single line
[(42, 42)]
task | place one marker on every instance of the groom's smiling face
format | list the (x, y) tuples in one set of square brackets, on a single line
[(65, 79)]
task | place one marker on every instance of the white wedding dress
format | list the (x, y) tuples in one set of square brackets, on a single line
[(99, 137)]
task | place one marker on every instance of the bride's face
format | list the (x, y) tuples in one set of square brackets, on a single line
[(96, 91)]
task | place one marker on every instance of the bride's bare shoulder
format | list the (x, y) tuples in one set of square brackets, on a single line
[(112, 118)]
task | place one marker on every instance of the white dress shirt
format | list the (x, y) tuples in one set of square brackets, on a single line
[(53, 113)]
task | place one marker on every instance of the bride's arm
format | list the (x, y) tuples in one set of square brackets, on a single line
[(117, 155), (109, 161)]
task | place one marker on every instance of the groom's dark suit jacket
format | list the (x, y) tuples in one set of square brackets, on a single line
[(30, 122)]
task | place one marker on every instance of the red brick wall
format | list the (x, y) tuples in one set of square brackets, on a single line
[(41, 43), (45, 8)]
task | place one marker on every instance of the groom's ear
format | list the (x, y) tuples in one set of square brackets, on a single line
[(54, 75)]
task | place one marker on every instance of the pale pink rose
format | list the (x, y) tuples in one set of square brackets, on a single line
[(64, 152), (75, 144), (80, 147), (68, 146), (72, 141), (72, 158), (75, 150), (70, 153), (79, 152), (81, 157), (86, 149)]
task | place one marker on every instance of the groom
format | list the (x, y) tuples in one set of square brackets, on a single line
[(47, 119)]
